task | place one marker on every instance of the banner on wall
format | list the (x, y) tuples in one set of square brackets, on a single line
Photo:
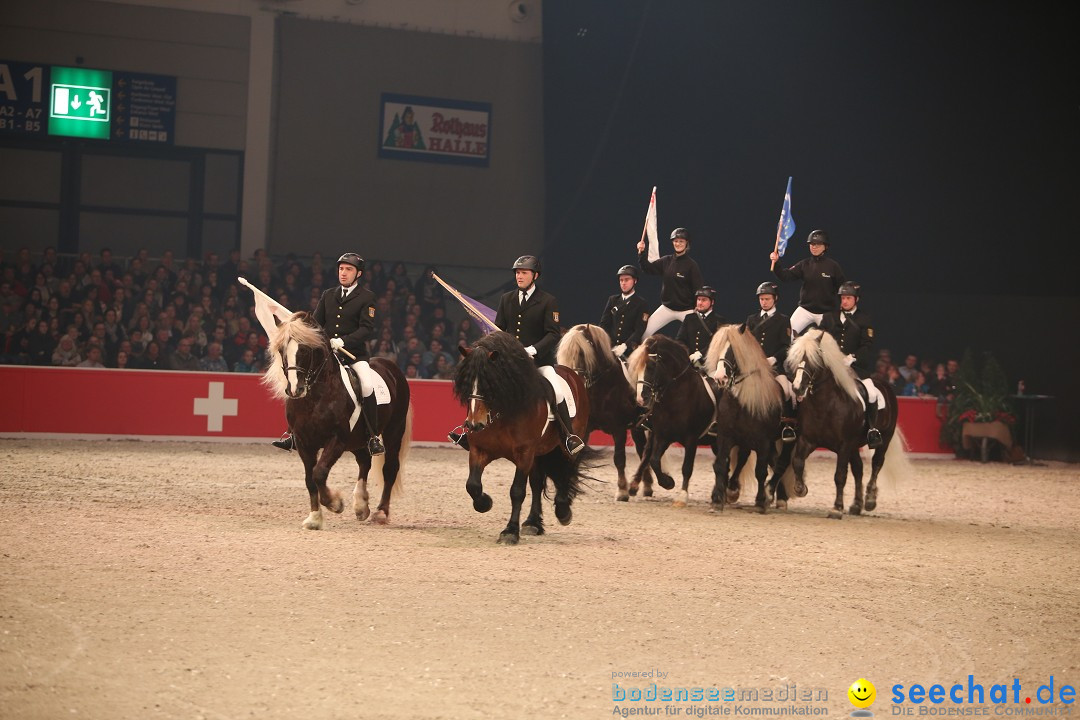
[(434, 130)]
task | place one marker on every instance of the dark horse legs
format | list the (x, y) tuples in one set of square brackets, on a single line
[(315, 473), (534, 524)]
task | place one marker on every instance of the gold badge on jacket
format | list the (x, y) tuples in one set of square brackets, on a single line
[(556, 316), (870, 332), (371, 311)]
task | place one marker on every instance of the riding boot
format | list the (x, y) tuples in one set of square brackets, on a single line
[(873, 435), (574, 444), (461, 439), (369, 409), (788, 422), (285, 442)]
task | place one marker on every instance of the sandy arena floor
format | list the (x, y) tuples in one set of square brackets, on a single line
[(173, 580)]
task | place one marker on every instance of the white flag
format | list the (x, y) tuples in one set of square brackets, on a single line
[(266, 309), (650, 228)]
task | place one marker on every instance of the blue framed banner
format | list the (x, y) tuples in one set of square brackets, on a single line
[(434, 130)]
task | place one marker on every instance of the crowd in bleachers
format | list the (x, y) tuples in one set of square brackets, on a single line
[(165, 313)]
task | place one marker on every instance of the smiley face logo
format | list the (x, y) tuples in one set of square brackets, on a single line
[(862, 693)]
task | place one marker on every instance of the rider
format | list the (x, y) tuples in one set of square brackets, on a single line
[(700, 325), (532, 316), (854, 333), (347, 315), (772, 329), (822, 277), (681, 277), (625, 314)]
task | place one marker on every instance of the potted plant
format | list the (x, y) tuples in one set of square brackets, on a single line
[(981, 397)]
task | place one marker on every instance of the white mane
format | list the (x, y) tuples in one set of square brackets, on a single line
[(756, 390), (819, 349)]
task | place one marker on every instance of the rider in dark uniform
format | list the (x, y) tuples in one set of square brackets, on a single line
[(854, 333), (822, 277), (625, 314), (773, 332), (699, 326), (532, 316), (347, 315)]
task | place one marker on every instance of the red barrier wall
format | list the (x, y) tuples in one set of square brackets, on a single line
[(226, 406)]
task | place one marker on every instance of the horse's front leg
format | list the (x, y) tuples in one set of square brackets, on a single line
[(876, 461), (683, 496), (776, 487), (798, 464), (659, 447), (721, 466), (511, 534), (856, 472), (734, 483), (619, 459), (641, 441), (843, 457), (534, 524), (329, 497), (314, 520), (761, 471), (360, 492), (481, 501)]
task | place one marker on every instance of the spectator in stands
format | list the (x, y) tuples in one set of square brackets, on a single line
[(385, 349), (213, 362), (66, 354), (122, 360), (40, 344), (153, 358), (918, 387), (93, 358), (442, 369), (429, 359), (182, 358), (247, 363), (910, 368)]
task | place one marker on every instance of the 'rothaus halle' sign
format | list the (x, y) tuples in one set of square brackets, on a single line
[(435, 130)]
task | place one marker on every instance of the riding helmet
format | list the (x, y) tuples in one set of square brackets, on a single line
[(706, 291), (818, 236), (352, 259), (628, 270), (680, 233), (849, 288), (768, 288), (527, 262)]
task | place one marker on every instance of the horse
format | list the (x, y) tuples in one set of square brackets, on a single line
[(678, 407), (748, 410), (612, 408), (304, 372), (507, 402), (831, 416)]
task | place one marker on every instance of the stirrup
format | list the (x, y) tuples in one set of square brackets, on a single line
[(375, 446), (461, 439), (285, 442), (574, 445), (787, 434), (873, 439)]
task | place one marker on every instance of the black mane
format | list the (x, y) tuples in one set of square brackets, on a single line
[(504, 374)]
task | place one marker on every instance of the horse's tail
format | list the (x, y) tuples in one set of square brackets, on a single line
[(567, 474), (896, 466), (378, 462)]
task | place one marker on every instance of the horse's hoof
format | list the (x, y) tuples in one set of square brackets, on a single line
[(363, 514), (633, 490), (564, 513), (680, 503), (836, 515), (313, 522), (528, 529), (800, 489), (665, 482), (716, 507), (870, 506), (482, 504), (622, 497), (336, 505), (854, 510), (647, 493), (508, 538), (781, 504), (380, 517), (761, 509), (732, 497)]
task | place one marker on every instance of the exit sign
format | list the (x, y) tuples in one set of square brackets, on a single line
[(79, 102)]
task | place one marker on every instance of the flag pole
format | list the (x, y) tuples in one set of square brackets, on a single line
[(776, 245)]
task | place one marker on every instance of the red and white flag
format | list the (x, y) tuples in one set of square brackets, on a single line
[(266, 309), (650, 229)]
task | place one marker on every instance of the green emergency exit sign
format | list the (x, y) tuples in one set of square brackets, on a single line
[(79, 102)]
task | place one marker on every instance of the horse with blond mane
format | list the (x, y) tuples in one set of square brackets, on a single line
[(322, 416), (831, 416), (612, 409), (748, 413)]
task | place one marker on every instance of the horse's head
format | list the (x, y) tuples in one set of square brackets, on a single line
[(805, 359), (496, 377), (587, 350), (720, 360), (478, 415), (299, 351), (655, 365)]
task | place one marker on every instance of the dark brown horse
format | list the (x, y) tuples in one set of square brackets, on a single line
[(507, 402), (831, 416), (612, 408), (747, 414), (678, 407), (304, 372)]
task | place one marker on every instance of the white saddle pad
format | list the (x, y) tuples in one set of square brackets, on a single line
[(561, 388), (371, 378)]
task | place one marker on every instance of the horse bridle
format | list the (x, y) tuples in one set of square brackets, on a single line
[(801, 367), (307, 373), (658, 390)]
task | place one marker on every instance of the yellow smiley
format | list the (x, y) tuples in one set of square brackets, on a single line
[(862, 693)]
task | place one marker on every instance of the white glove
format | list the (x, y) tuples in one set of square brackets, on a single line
[(772, 361), (531, 350), (619, 349), (336, 343), (849, 359), (695, 356)]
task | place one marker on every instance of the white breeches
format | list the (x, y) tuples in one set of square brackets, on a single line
[(561, 388), (785, 387), (803, 318), (661, 317), (873, 394), (364, 373)]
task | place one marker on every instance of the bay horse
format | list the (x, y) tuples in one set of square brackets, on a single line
[(678, 407), (507, 401), (748, 410), (305, 373), (612, 407), (831, 416)]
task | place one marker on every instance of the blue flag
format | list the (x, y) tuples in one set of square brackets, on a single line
[(786, 227)]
